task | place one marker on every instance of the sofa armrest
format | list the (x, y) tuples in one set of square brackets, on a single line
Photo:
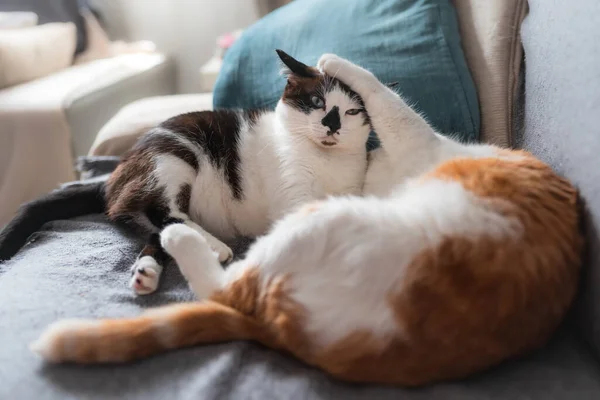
[(121, 132), (119, 81)]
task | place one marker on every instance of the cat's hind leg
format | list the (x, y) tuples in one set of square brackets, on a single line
[(149, 264), (177, 179), (147, 269), (195, 258), (167, 203)]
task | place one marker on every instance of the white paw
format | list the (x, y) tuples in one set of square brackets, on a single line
[(145, 275), (327, 61), (359, 79), (176, 239), (179, 240), (221, 250)]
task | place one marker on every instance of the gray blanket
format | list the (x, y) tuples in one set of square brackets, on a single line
[(79, 268)]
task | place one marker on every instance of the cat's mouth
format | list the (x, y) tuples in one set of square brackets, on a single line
[(328, 143)]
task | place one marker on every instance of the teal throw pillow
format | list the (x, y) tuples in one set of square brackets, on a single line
[(413, 42)]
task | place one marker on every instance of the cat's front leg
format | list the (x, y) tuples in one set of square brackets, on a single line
[(195, 259), (359, 79), (223, 252)]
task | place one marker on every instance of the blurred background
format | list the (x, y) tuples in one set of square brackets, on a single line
[(68, 66), (81, 80), (185, 30)]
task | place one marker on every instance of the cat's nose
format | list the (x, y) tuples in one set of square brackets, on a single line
[(332, 120)]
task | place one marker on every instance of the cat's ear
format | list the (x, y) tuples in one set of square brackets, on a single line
[(296, 67)]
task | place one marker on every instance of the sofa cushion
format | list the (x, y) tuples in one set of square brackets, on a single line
[(33, 52), (416, 43), (123, 130), (490, 32), (562, 106)]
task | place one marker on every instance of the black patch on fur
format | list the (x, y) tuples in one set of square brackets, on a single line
[(217, 134), (154, 249), (298, 93), (295, 66), (161, 143), (252, 116), (152, 204), (157, 209), (332, 120), (353, 95), (172, 220), (94, 166), (300, 101), (183, 198)]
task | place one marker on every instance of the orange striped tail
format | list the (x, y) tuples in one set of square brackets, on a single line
[(158, 330)]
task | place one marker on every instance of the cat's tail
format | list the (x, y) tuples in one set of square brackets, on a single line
[(67, 202), (158, 330)]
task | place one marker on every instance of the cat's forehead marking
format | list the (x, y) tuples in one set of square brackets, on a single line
[(299, 91)]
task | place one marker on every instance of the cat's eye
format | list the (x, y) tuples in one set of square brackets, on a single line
[(317, 102), (353, 111)]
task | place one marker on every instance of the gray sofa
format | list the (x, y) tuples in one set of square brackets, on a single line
[(558, 115)]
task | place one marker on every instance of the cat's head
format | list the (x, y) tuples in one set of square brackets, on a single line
[(321, 107)]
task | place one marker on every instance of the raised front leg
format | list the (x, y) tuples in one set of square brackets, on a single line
[(399, 127)]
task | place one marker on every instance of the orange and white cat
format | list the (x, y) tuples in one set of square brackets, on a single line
[(457, 258)]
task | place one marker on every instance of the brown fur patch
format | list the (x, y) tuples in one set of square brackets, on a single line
[(128, 187), (217, 134), (270, 305), (183, 198), (299, 90), (471, 303)]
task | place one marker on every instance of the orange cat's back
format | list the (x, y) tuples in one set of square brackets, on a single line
[(471, 302)]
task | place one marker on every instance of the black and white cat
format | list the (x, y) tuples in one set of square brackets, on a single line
[(227, 173)]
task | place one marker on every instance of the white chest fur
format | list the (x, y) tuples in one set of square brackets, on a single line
[(279, 173)]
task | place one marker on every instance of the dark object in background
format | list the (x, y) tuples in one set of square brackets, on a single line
[(53, 11), (95, 166)]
